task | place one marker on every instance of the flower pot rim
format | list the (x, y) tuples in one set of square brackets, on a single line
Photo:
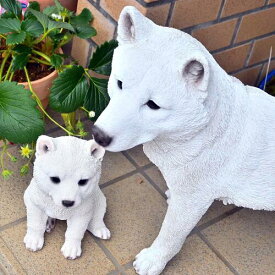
[(40, 79)]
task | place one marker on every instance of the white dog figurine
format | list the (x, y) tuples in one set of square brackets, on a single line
[(211, 136), (65, 186)]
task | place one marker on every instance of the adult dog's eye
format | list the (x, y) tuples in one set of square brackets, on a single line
[(83, 182), (119, 84), (152, 105), (55, 179)]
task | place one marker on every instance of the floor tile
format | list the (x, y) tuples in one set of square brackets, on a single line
[(138, 155), (8, 263), (194, 258), (135, 211), (156, 176), (247, 240), (12, 190), (50, 260)]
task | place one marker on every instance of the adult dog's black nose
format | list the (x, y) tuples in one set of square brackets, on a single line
[(68, 203), (100, 137)]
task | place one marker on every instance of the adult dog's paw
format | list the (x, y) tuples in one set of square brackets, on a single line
[(33, 242), (71, 249), (102, 233), (149, 262)]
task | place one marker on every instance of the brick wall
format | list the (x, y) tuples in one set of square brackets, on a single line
[(239, 33)]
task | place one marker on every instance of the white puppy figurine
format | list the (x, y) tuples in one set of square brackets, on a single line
[(211, 136), (65, 186)]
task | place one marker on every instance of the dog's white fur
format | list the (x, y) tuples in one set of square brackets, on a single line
[(212, 138), (70, 159)]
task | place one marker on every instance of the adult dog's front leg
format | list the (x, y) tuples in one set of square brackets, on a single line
[(182, 215)]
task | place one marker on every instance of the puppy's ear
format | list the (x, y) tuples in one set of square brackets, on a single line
[(133, 25), (196, 72), (44, 144), (96, 150)]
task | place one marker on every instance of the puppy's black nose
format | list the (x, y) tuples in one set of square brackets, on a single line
[(68, 203), (100, 137)]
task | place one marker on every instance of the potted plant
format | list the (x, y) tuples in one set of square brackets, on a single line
[(30, 48)]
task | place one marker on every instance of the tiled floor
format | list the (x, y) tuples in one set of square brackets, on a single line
[(227, 239)]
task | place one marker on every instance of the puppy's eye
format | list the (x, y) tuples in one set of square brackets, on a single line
[(55, 179), (119, 84), (83, 182), (152, 105)]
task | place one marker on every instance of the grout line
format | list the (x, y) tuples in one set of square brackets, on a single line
[(236, 31), (107, 252), (14, 223), (218, 254), (129, 174), (170, 13), (142, 172), (259, 75), (220, 10), (155, 3), (250, 50), (219, 218)]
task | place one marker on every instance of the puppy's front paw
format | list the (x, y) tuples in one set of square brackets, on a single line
[(33, 242), (102, 233), (149, 262), (71, 249)]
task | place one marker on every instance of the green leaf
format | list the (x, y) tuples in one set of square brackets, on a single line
[(85, 31), (102, 58), (22, 49), (42, 18), (97, 97), (12, 6), (68, 90), (8, 14), (16, 38), (56, 60), (50, 10), (84, 18), (19, 61), (32, 27), (58, 25), (32, 5), (20, 120), (9, 25), (58, 5)]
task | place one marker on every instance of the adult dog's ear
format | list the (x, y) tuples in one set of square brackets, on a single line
[(133, 25), (196, 72), (96, 150), (44, 144)]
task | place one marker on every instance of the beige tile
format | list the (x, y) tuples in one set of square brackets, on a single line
[(246, 240), (8, 263), (135, 211), (114, 165), (12, 190), (50, 260), (215, 210), (194, 258), (138, 155), (157, 177)]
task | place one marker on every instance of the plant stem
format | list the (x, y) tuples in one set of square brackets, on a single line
[(3, 153), (42, 108), (41, 61), (11, 76), (8, 72), (3, 64), (42, 55)]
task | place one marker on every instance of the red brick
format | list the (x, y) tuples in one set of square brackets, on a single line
[(249, 76), (105, 29), (216, 36), (232, 59), (237, 6), (271, 2), (261, 49), (80, 50), (192, 12), (256, 24)]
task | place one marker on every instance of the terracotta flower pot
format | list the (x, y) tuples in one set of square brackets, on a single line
[(42, 87)]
